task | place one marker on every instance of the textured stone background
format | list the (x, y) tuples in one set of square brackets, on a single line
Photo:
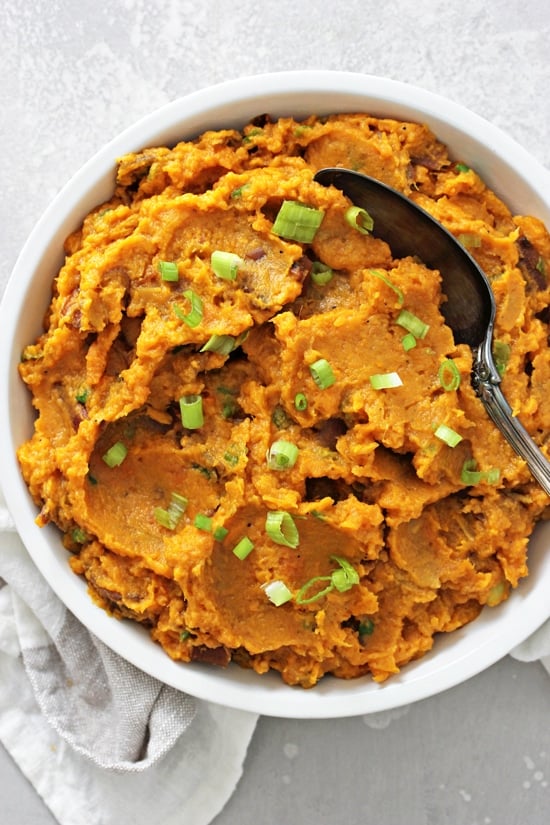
[(75, 73)]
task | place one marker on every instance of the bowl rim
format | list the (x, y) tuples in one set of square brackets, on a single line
[(474, 650)]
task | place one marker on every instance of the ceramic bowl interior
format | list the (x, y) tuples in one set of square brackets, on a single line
[(503, 164)]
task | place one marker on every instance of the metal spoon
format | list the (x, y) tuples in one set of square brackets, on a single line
[(470, 307)]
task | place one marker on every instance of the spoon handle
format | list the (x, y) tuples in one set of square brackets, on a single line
[(511, 428)]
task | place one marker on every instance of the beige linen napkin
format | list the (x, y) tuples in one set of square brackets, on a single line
[(535, 647), (101, 741)]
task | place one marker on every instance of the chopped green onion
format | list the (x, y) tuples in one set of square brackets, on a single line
[(448, 435), (385, 380), (194, 317), (222, 344), (281, 528), (282, 455), (408, 341), (82, 395), (449, 375), (225, 265), (115, 455), (280, 418), (471, 476), (203, 522), (469, 240), (171, 516), (79, 535), (237, 193), (462, 167), (301, 597), (344, 578), (220, 533), (501, 354), (277, 592), (243, 548), (168, 270), (359, 219), (231, 458), (192, 416), (322, 373), (386, 280), (300, 401), (496, 594), (366, 627), (412, 324), (321, 273), (252, 133), (162, 516), (297, 222)]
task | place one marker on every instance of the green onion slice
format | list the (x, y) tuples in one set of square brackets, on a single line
[(344, 578), (322, 373), (191, 411), (385, 380), (171, 516), (243, 548), (408, 341), (297, 222), (194, 316), (469, 240), (225, 265), (280, 418), (282, 455), (386, 280), (116, 454), (359, 219), (220, 533), (321, 274), (366, 627), (470, 475), (303, 598), (168, 270), (412, 324), (277, 592), (203, 522), (496, 594), (449, 375), (79, 535), (281, 528), (222, 344), (82, 395), (501, 354), (448, 435), (300, 401)]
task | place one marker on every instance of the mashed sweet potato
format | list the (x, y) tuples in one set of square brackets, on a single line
[(306, 523)]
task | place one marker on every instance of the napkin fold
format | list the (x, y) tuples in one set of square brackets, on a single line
[(101, 741), (536, 647)]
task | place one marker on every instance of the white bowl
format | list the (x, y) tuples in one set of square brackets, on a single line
[(508, 169)]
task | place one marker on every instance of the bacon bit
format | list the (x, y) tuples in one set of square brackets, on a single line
[(302, 267), (218, 656), (108, 595), (256, 254), (528, 263), (81, 414)]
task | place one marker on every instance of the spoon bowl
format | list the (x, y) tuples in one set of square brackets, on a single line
[(469, 309)]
